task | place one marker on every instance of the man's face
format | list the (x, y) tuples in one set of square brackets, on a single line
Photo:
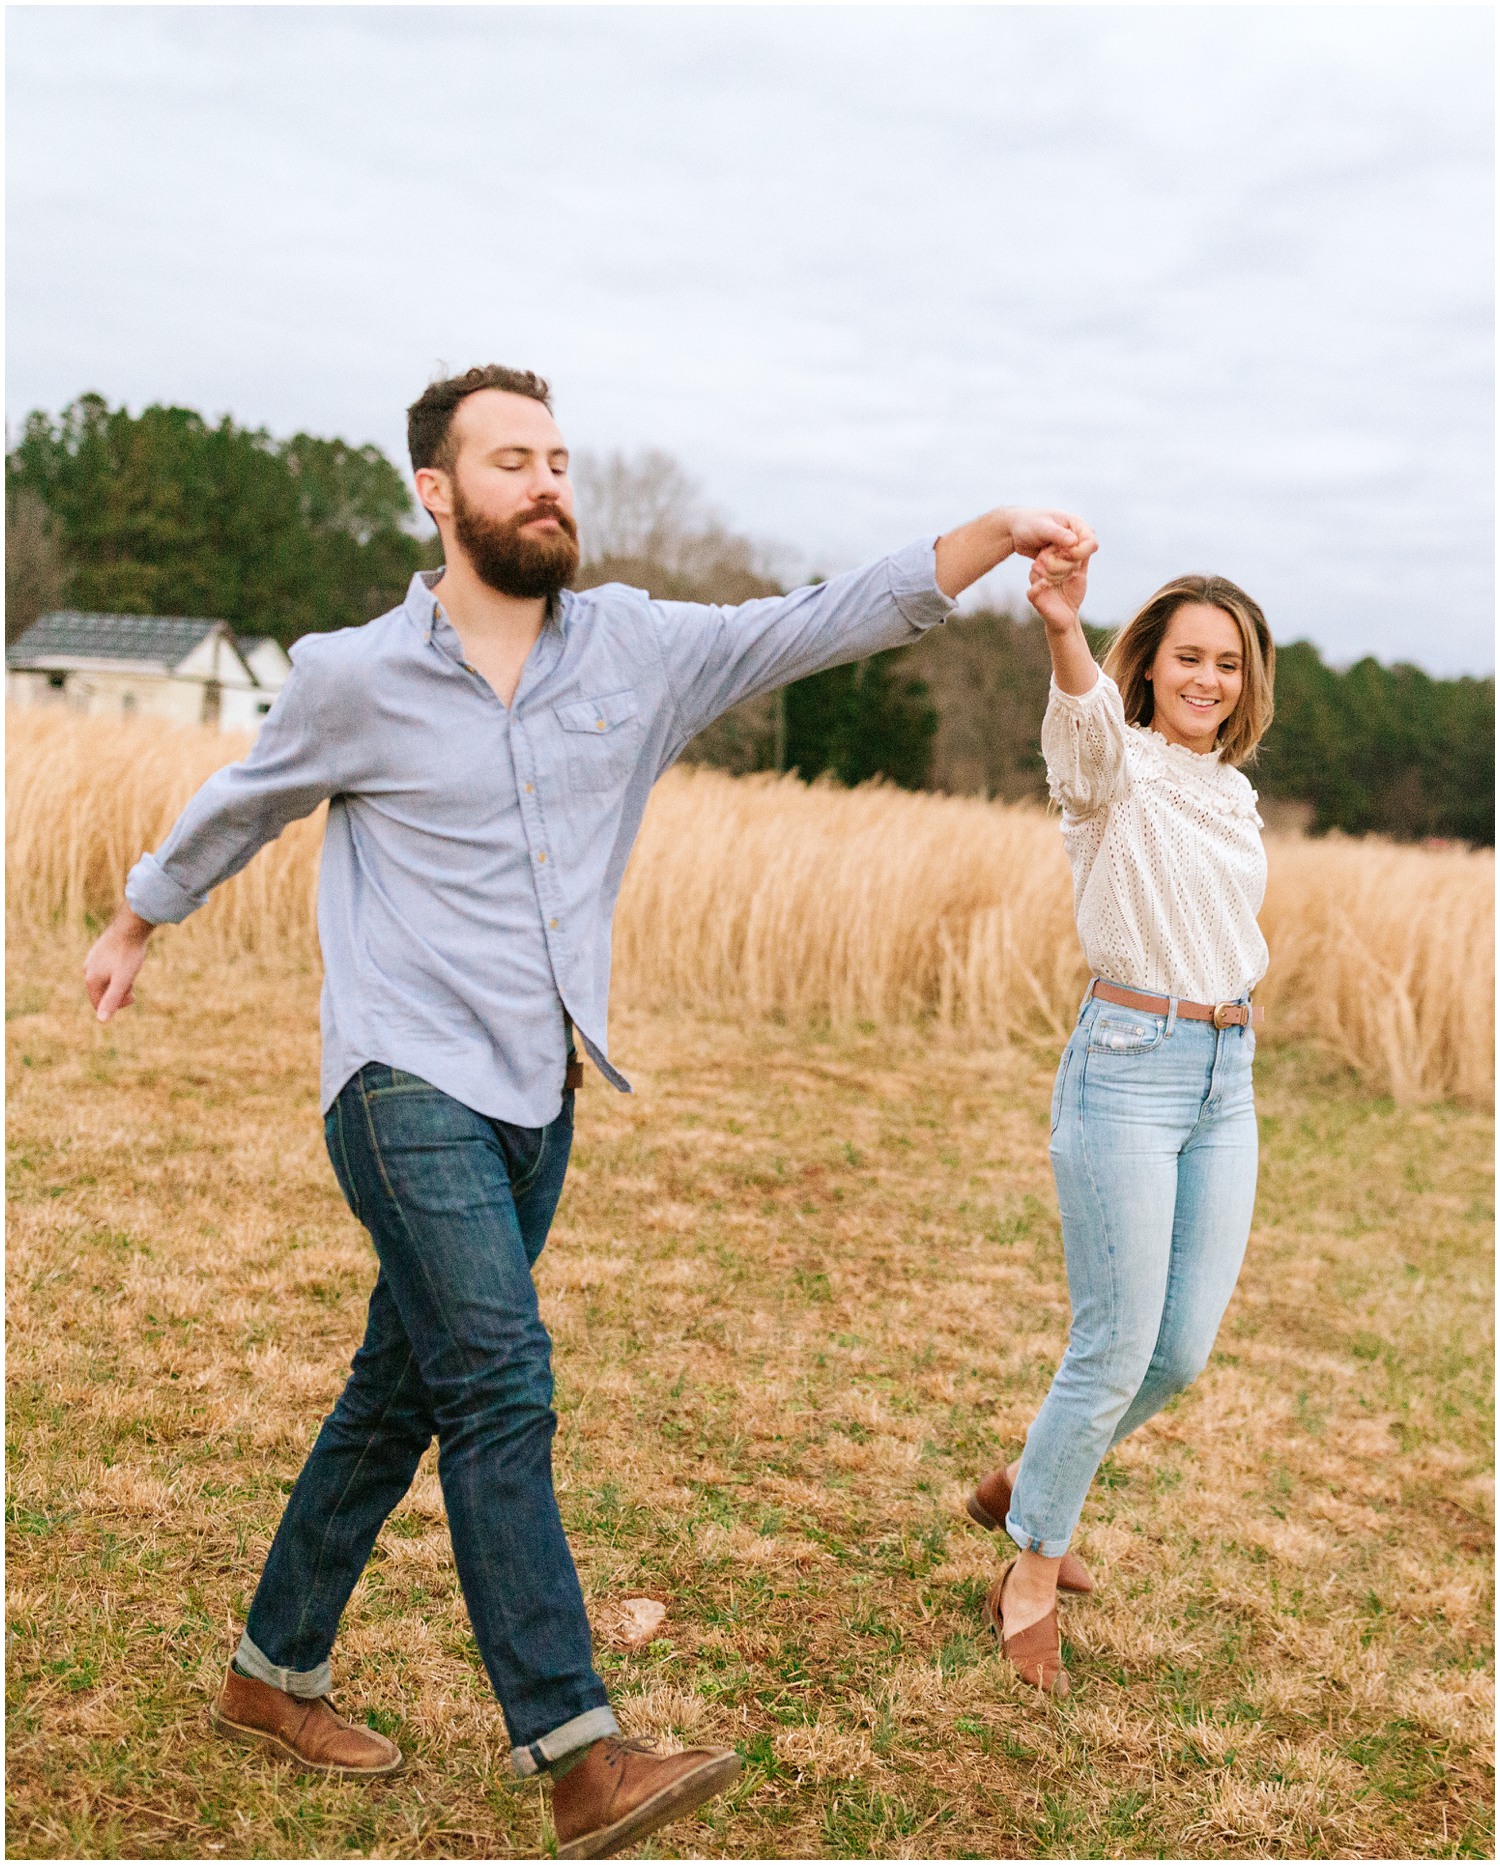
[(507, 494)]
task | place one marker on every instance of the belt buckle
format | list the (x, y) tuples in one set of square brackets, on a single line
[(1226, 1016)]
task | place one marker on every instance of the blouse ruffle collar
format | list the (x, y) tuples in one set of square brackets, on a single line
[(1200, 772)]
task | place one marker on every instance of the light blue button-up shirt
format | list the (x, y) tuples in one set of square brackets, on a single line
[(474, 851)]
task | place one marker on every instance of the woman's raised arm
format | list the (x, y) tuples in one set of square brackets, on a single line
[(1058, 586)]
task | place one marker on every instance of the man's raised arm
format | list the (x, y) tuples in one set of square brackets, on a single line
[(974, 549), (716, 657)]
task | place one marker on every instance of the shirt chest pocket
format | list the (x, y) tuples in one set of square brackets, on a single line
[(602, 737)]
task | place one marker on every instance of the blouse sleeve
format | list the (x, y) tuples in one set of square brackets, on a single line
[(1083, 743)]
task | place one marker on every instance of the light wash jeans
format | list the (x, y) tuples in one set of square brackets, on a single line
[(1154, 1153)]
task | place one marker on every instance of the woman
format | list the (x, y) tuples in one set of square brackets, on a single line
[(1153, 1120)]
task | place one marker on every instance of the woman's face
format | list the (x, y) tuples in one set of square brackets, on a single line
[(1197, 675)]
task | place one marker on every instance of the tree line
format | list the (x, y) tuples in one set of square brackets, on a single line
[(167, 513), (164, 513)]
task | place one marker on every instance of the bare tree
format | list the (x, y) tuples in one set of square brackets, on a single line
[(643, 520), (638, 505), (36, 574)]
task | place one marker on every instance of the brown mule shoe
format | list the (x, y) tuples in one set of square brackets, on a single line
[(1036, 1650), (622, 1790), (306, 1730), (989, 1506)]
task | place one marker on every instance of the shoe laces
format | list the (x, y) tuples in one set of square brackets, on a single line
[(620, 1746)]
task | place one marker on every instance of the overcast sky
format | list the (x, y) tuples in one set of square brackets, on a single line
[(1218, 278)]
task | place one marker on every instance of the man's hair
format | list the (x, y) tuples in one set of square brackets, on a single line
[(1134, 648), (429, 420)]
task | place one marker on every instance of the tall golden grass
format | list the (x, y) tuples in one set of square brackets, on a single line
[(766, 897), (85, 796)]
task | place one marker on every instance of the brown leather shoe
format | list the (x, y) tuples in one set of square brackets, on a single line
[(1036, 1650), (307, 1730), (621, 1791), (989, 1506)]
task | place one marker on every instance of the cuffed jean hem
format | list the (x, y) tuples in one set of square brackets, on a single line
[(577, 1732), (1033, 1544), (314, 1683)]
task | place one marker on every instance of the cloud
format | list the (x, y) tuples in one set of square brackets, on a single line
[(1220, 278)]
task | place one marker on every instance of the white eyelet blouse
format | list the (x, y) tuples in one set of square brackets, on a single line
[(1168, 867)]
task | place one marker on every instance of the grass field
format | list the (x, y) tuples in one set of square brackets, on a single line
[(762, 897), (804, 1287)]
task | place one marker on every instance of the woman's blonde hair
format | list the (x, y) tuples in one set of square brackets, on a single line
[(1135, 648)]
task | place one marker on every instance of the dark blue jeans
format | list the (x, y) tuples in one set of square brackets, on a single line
[(458, 1207)]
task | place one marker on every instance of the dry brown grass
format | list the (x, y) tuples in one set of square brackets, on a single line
[(769, 898), (804, 1285), (84, 797)]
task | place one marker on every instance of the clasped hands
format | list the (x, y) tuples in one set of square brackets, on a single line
[(1059, 579)]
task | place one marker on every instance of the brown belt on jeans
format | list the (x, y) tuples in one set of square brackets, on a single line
[(573, 1076), (1221, 1016)]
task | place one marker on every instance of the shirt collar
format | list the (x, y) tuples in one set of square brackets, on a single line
[(422, 607)]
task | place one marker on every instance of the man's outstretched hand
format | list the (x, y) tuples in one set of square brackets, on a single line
[(974, 549), (114, 959), (1063, 533)]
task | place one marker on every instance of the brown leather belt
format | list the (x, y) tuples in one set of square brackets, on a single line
[(573, 1077), (1221, 1016)]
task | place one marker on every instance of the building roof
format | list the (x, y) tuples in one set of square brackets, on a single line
[(250, 644), (163, 640)]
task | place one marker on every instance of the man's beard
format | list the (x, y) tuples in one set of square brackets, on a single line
[(510, 559)]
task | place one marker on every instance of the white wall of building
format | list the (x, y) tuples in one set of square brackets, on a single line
[(213, 685), (109, 693), (242, 709)]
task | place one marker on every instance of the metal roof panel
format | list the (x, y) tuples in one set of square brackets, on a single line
[(160, 639)]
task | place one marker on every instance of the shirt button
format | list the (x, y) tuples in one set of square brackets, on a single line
[(599, 723), (541, 854), (528, 789), (552, 924)]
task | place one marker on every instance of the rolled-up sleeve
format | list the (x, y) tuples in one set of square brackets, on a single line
[(302, 756), (1083, 743), (716, 657)]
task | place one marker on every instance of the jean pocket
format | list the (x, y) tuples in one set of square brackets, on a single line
[(1125, 1033), (433, 1154), (1059, 1085), (338, 1155), (526, 1154), (378, 1079)]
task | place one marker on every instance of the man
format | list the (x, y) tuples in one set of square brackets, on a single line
[(486, 751)]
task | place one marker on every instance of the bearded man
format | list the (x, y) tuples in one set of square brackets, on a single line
[(486, 751)]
